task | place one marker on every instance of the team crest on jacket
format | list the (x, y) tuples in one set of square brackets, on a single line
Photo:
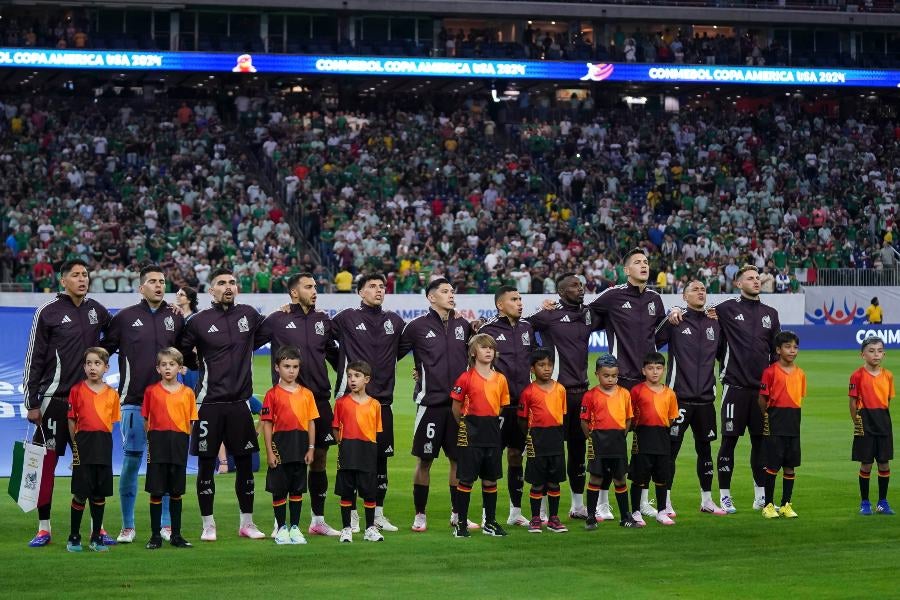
[(243, 325), (767, 322), (651, 309), (388, 328), (460, 334), (320, 328), (525, 340), (169, 322), (587, 318), (92, 316), (710, 333)]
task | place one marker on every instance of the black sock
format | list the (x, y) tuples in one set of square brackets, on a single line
[(369, 507), (97, 506), (864, 485), (346, 508), (884, 478), (463, 493), (553, 501), (44, 512), (662, 493), (489, 501), (674, 449), (787, 488), (757, 460), (175, 505), (420, 497), (77, 514), (704, 466), (295, 504), (243, 482), (635, 497), (454, 498), (575, 463), (770, 487), (206, 484), (622, 500), (535, 498), (318, 491), (155, 514), (593, 497), (514, 484), (725, 461), (381, 470), (279, 504)]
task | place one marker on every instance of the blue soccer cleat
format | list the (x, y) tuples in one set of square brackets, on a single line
[(865, 508), (106, 539), (74, 545), (41, 539), (883, 508)]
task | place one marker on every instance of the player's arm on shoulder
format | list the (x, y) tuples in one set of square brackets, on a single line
[(112, 335), (263, 334)]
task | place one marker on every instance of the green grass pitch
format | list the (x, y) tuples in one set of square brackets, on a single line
[(828, 552)]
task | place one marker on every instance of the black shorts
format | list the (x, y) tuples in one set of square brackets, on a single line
[(350, 482), (510, 432), (873, 448), (55, 423), (324, 435), (165, 478), (604, 467), (782, 451), (574, 434), (699, 417), (229, 423), (92, 481), (475, 462), (286, 478), (541, 470), (740, 411), (645, 467), (385, 437), (435, 429), (627, 383)]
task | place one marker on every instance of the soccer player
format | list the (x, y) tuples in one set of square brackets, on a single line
[(478, 396), (288, 417), (781, 392), (168, 408), (371, 334), (223, 337), (93, 408), (565, 329), (606, 417), (515, 343), (542, 416), (311, 332), (693, 346), (357, 421), (871, 390), (438, 340), (655, 409), (138, 333), (61, 331)]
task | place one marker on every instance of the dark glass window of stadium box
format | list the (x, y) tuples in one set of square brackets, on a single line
[(187, 27), (162, 28)]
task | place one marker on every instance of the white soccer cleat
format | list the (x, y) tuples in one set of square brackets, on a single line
[(419, 523), (346, 536), (323, 528), (274, 530), (126, 536), (354, 521), (454, 520), (578, 513), (638, 518), (250, 530), (516, 519), (373, 535), (670, 512), (382, 523), (296, 535), (759, 503), (728, 505), (604, 513), (209, 534), (663, 519), (647, 509), (165, 533), (282, 536), (709, 507)]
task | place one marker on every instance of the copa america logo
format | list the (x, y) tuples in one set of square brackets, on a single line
[(598, 72)]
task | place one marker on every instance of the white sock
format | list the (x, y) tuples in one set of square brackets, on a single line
[(645, 496), (246, 519), (515, 511), (577, 501), (544, 505), (317, 520), (604, 497), (724, 493), (44, 525), (208, 521), (354, 513), (705, 496), (759, 491), (379, 511)]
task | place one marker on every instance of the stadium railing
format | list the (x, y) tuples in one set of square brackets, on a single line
[(857, 277)]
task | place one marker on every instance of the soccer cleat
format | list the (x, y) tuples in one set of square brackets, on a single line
[(590, 524), (535, 525), (382, 523), (251, 531), (41, 539), (209, 533), (759, 503), (420, 523), (461, 532), (454, 519), (126, 536), (663, 519), (73, 545), (647, 509), (556, 526), (770, 512), (346, 536), (179, 542), (577, 513), (105, 539), (155, 543), (166, 533), (274, 531), (604, 513), (728, 505), (670, 512), (638, 519), (354, 521), (883, 508), (787, 511), (628, 521), (296, 535), (709, 507), (97, 545), (865, 508), (323, 528), (493, 529), (517, 519), (282, 537), (373, 534)]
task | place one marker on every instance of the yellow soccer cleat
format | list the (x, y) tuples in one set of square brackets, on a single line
[(770, 512), (787, 511)]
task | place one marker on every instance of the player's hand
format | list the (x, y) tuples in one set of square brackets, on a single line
[(223, 467), (34, 415), (272, 461), (176, 310), (712, 314), (285, 308), (548, 304), (477, 324), (310, 455), (675, 316), (415, 375), (183, 370)]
